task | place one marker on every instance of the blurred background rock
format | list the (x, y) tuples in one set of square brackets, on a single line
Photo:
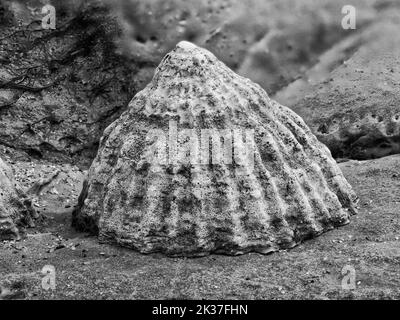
[(102, 52)]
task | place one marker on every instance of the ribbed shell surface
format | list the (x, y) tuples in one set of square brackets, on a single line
[(293, 190)]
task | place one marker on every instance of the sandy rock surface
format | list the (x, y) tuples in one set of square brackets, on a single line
[(350, 98), (86, 269), (49, 184), (16, 211)]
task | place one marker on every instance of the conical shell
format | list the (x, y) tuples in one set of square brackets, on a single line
[(159, 184)]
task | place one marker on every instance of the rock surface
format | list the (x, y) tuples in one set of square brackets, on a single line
[(350, 99), (292, 191), (52, 188), (87, 269), (91, 66), (16, 211), (59, 89)]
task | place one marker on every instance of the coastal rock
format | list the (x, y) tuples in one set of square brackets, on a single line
[(16, 211), (350, 100), (158, 184), (63, 87)]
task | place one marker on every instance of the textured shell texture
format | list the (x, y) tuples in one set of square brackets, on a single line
[(16, 211), (203, 161)]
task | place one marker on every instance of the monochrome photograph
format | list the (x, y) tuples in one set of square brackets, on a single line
[(212, 151)]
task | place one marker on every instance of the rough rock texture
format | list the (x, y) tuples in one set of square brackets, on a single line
[(16, 211), (59, 89), (312, 270), (351, 98), (52, 188), (293, 191)]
